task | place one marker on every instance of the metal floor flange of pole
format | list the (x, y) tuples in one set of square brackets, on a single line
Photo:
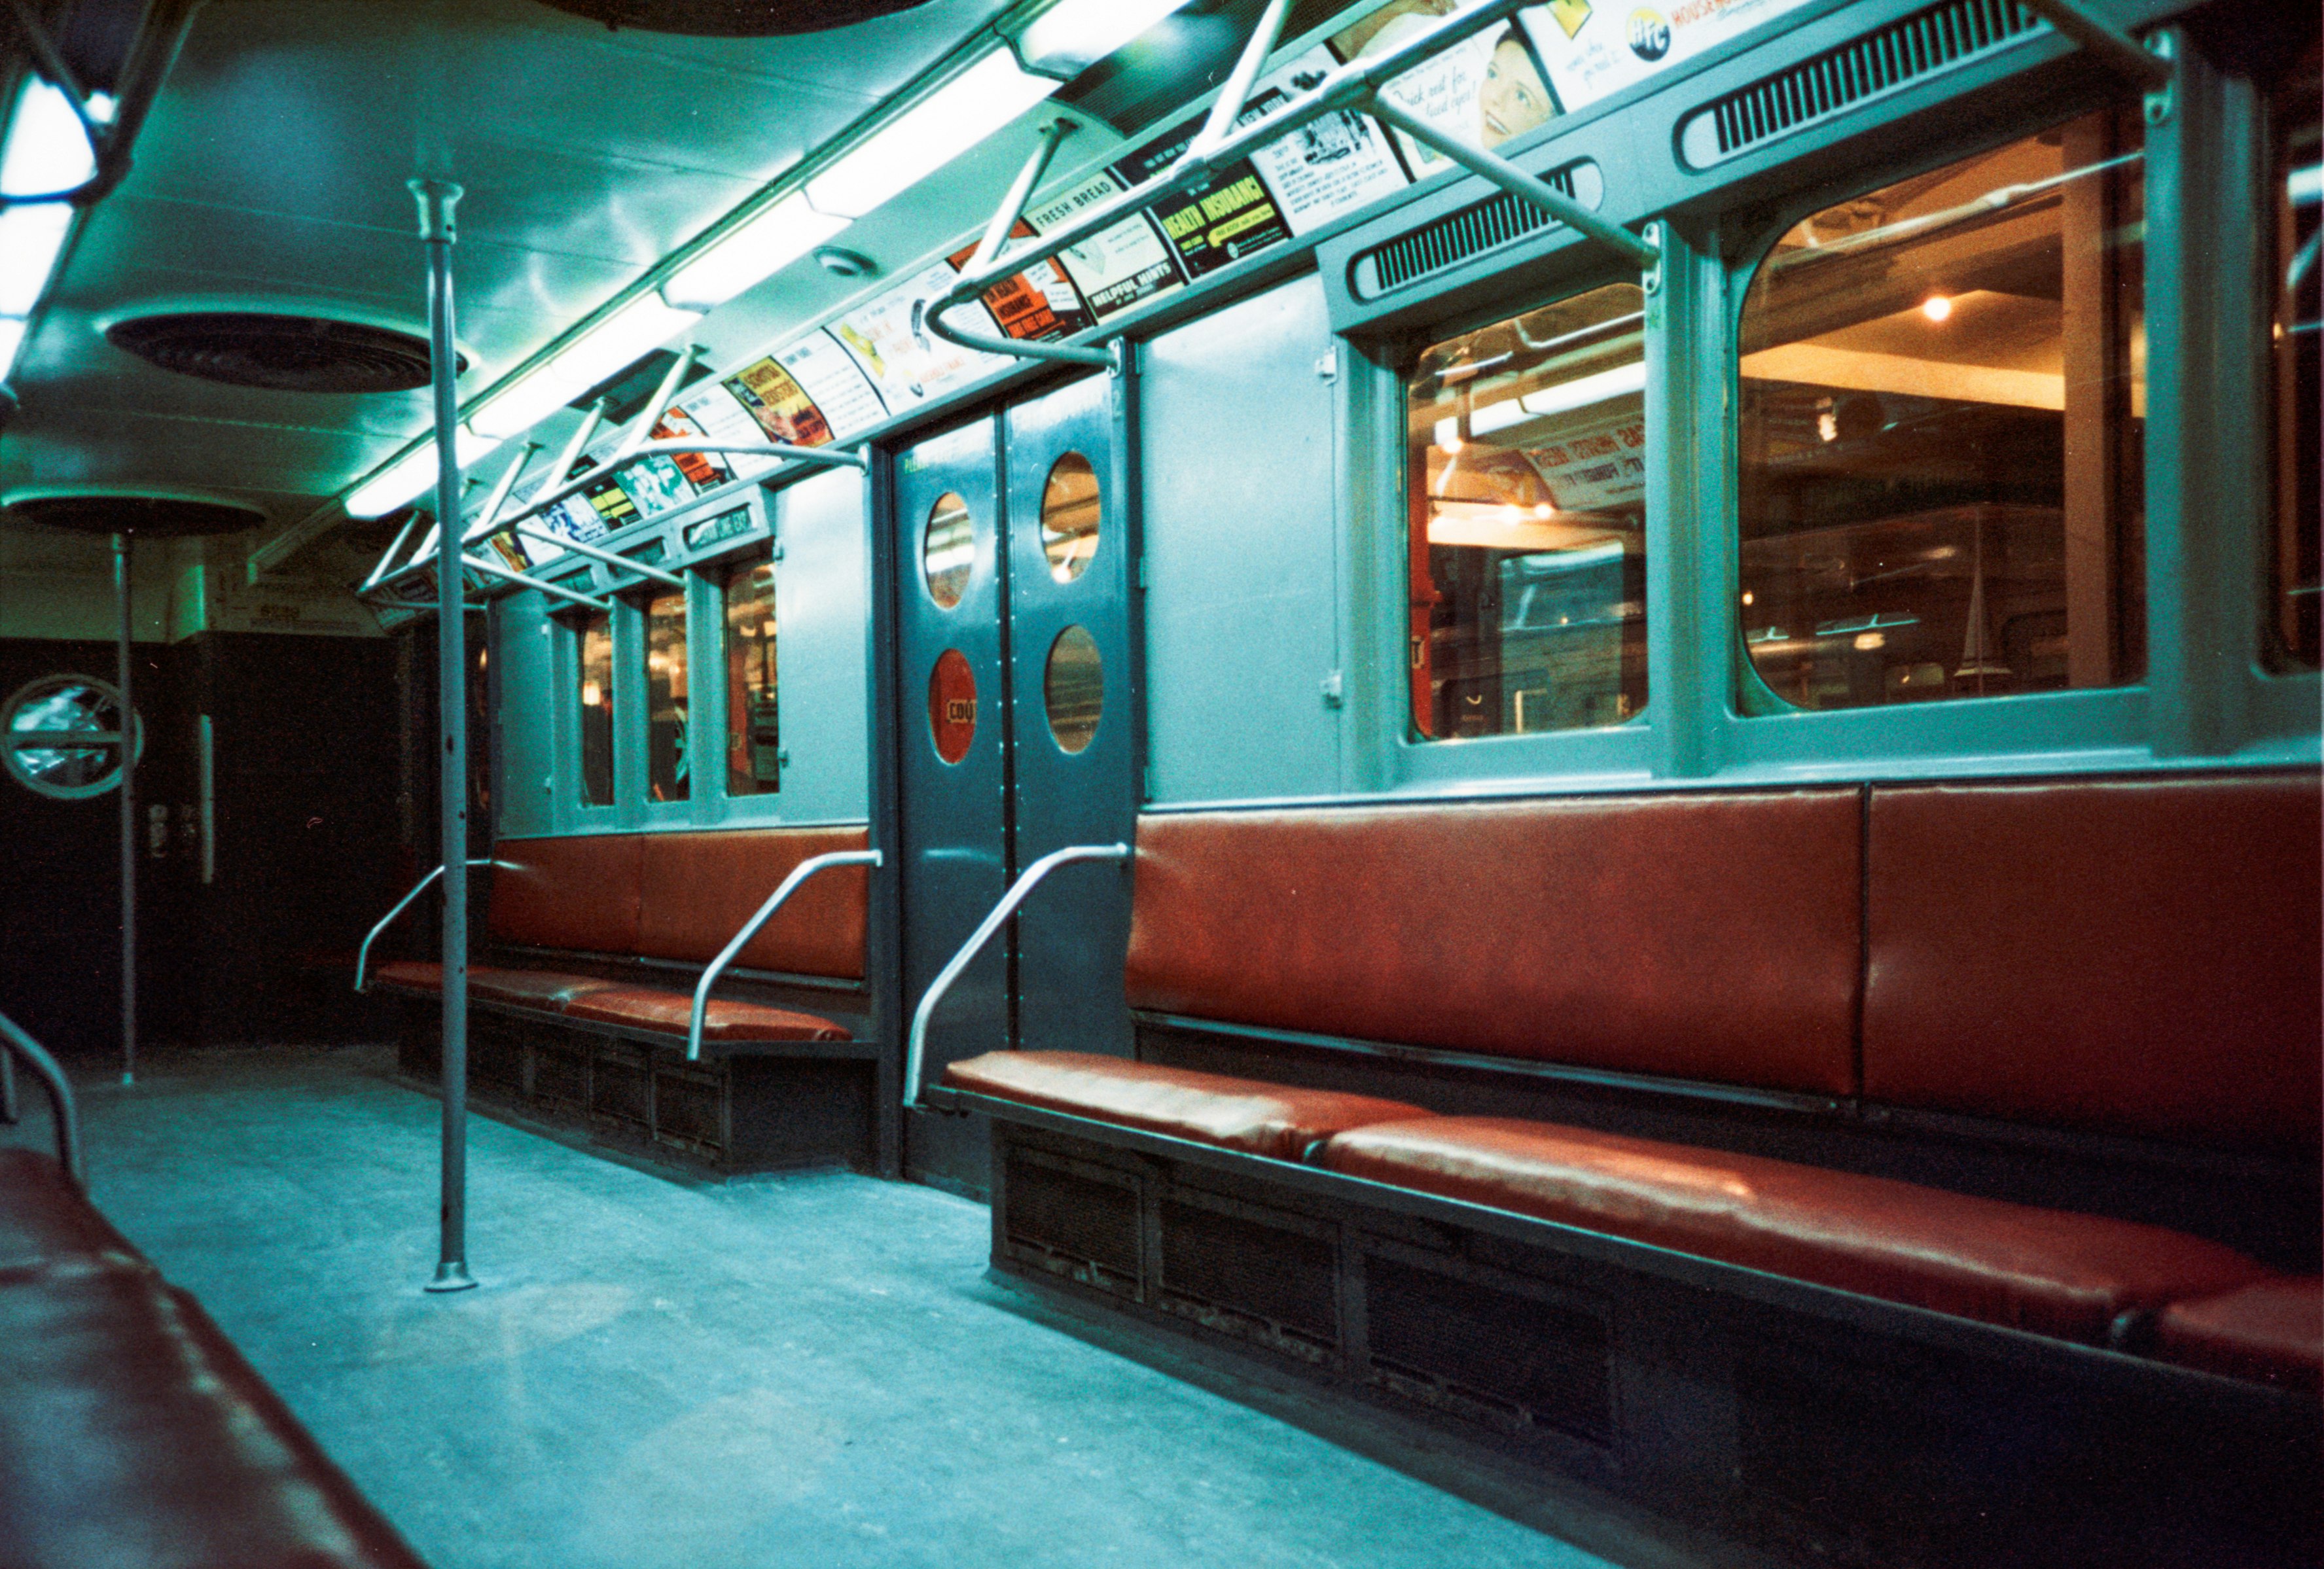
[(436, 199)]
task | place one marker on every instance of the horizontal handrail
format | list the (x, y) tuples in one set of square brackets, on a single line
[(60, 1097), (362, 954), (789, 886), (1029, 880)]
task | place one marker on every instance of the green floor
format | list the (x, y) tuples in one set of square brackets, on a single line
[(809, 1369)]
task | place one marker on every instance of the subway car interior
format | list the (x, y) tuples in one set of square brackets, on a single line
[(1290, 784)]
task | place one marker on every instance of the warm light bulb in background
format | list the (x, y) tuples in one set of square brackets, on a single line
[(1936, 308)]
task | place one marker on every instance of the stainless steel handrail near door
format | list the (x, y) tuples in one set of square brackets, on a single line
[(1026, 881), (790, 885), (362, 954)]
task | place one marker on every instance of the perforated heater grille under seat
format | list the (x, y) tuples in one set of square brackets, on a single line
[(1881, 62), (1075, 1218), (1282, 1278), (1549, 1364)]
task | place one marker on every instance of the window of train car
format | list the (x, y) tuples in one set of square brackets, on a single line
[(1070, 516), (592, 638), (1943, 398), (667, 774), (1525, 468), (2297, 182), (948, 549), (753, 719)]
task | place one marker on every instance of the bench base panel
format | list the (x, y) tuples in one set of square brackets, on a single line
[(1807, 1437), (738, 1114)]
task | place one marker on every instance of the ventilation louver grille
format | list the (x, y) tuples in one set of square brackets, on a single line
[(283, 353), (1456, 237), (1872, 66)]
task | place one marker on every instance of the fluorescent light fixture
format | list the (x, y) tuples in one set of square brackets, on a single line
[(753, 251), (1565, 398), (48, 149), (646, 323), (31, 238), (12, 338), (411, 476), (1073, 36), (928, 135)]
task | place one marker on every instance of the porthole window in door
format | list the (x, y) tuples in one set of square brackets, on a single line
[(1073, 689), (948, 549), (1069, 517), (952, 706), (63, 737)]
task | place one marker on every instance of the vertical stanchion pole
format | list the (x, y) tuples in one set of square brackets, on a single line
[(125, 676), (436, 199)]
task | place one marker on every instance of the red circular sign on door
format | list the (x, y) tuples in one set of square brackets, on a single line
[(952, 706)]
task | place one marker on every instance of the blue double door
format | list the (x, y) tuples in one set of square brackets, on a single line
[(1016, 707)]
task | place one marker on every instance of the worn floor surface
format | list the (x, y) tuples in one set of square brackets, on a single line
[(809, 1369)]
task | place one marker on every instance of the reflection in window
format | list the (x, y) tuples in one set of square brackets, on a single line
[(63, 737), (1943, 400), (2297, 182), (1073, 689), (1527, 462), (595, 636), (666, 760), (948, 549), (753, 728), (1069, 517)]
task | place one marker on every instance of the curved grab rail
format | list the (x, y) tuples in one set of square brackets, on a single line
[(362, 954), (790, 885), (1024, 886), (60, 1095)]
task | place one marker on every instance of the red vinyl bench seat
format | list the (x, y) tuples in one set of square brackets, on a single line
[(656, 1010), (2051, 1272), (132, 1432), (723, 1020), (2273, 1332), (1211, 1108)]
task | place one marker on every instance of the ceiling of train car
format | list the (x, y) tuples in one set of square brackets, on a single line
[(271, 176)]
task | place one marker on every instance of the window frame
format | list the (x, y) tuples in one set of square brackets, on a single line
[(2207, 698)]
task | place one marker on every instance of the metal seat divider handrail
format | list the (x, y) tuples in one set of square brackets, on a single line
[(1019, 891), (789, 886), (362, 954), (15, 1041)]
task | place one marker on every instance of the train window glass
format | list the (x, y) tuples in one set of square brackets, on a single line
[(666, 760), (62, 736), (2297, 182), (948, 549), (1525, 461), (1073, 689), (1069, 517), (594, 639), (1943, 395), (754, 728)]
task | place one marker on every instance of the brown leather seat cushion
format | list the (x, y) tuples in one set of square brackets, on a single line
[(700, 887), (45, 1219), (1714, 935), (2043, 1269), (669, 1013), (579, 891), (132, 1434), (547, 989), (2141, 956), (1237, 1113), (2273, 1331)]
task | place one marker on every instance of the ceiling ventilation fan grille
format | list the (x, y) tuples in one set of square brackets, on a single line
[(1455, 237), (286, 354)]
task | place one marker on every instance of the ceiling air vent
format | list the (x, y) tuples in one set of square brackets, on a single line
[(1872, 67), (732, 18), (287, 353), (1463, 235), (152, 516)]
